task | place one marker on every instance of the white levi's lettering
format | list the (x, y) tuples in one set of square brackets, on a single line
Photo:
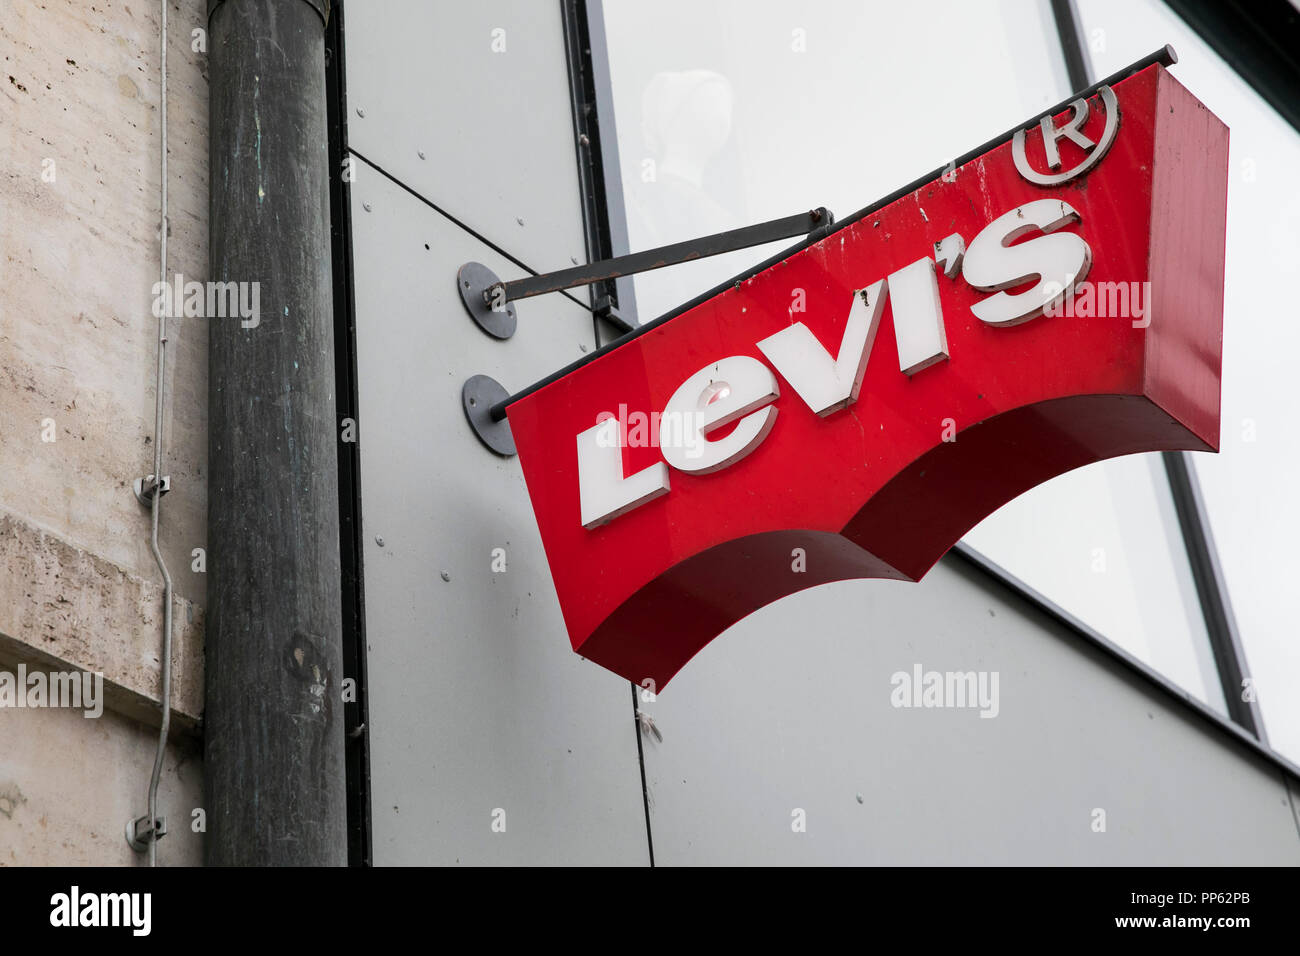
[(741, 390)]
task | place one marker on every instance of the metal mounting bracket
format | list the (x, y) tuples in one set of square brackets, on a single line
[(606, 309), (477, 397), (489, 302), (492, 314)]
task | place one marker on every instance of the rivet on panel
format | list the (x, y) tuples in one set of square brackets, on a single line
[(446, 576)]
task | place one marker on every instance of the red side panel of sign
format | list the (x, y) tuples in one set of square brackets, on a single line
[(875, 490)]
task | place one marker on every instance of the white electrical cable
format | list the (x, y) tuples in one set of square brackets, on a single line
[(156, 500)]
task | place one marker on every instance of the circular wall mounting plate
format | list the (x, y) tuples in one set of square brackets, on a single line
[(477, 397), (472, 280)]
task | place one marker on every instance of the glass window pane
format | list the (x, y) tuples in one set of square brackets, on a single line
[(1248, 486), (731, 112), (1103, 543)]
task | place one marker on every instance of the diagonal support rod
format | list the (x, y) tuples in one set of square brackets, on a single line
[(499, 293)]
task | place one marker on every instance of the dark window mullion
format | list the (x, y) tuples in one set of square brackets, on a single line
[(1220, 624)]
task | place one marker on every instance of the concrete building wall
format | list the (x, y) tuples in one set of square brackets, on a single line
[(79, 589)]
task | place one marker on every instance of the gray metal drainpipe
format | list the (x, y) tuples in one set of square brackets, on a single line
[(273, 719)]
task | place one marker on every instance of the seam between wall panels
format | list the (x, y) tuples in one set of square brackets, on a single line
[(465, 226)]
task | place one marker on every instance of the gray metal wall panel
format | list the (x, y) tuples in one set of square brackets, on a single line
[(496, 128), (791, 709), (476, 700)]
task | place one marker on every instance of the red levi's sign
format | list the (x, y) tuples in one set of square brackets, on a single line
[(853, 410)]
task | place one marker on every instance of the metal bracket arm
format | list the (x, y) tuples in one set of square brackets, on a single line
[(678, 252)]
